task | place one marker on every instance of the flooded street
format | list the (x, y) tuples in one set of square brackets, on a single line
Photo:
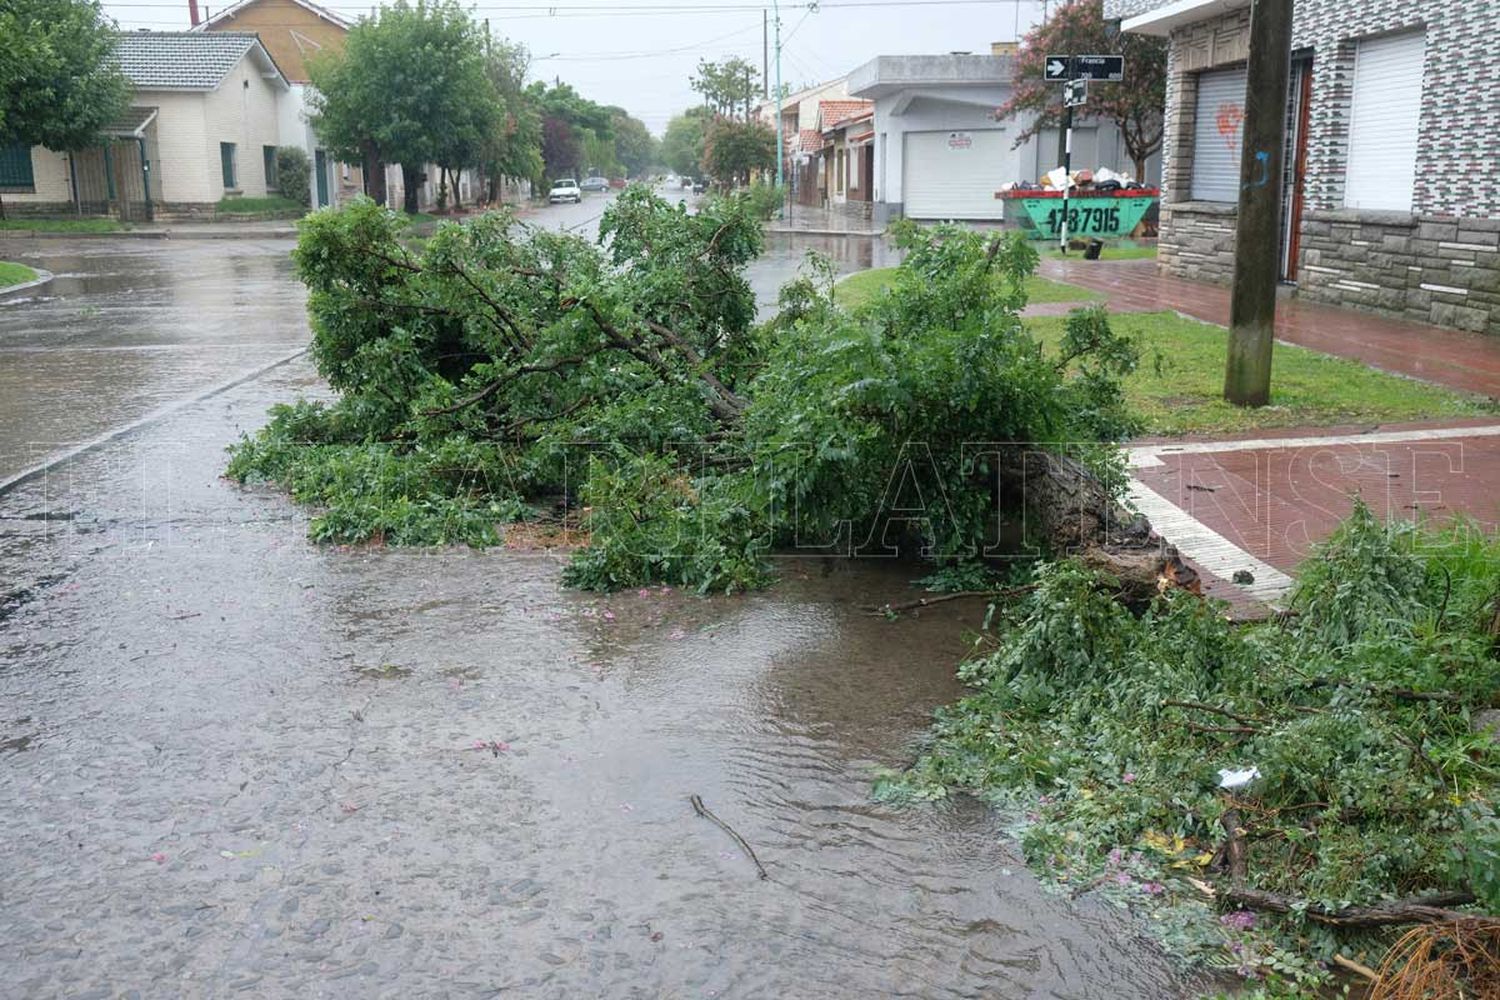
[(235, 762)]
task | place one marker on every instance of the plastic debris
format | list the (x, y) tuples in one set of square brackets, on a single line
[(1232, 778)]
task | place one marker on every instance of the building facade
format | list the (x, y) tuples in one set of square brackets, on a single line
[(294, 32), (1393, 131), (203, 124), (940, 153)]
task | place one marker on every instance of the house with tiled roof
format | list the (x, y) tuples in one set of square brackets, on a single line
[(847, 153), (202, 125), (295, 32)]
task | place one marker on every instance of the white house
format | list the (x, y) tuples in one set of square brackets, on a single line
[(940, 153), (203, 123)]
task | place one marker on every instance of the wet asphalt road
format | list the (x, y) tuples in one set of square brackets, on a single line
[(235, 763)]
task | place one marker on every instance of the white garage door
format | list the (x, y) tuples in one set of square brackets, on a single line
[(954, 175)]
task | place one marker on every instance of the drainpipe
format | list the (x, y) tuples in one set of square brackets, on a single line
[(193, 12), (73, 180), (146, 177)]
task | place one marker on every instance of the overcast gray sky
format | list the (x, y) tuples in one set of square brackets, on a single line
[(639, 53)]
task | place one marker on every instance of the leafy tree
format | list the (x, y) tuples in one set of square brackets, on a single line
[(569, 120), (1135, 106), (59, 82), (730, 87), (682, 143), (515, 148), (732, 149), (410, 87), (562, 149), (635, 149)]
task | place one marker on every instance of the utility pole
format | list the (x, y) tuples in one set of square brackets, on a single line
[(1252, 305), (776, 7), (765, 58)]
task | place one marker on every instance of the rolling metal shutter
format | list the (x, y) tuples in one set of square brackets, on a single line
[(1383, 121), (954, 175), (1218, 135)]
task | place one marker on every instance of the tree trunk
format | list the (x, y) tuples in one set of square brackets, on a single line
[(374, 173), (411, 181), (1417, 910), (458, 204), (1069, 511)]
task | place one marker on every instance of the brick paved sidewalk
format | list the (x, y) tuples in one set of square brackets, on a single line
[(1260, 502), (1469, 362)]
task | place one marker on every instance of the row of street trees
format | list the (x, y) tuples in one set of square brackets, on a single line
[(721, 138), (426, 84)]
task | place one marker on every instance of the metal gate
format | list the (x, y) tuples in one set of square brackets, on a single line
[(116, 177)]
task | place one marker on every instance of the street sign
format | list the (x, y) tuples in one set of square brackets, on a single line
[(1106, 69), (1075, 93)]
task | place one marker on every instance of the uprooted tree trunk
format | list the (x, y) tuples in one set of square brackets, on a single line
[(1070, 510)]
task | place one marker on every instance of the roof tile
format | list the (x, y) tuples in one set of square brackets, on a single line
[(181, 60)]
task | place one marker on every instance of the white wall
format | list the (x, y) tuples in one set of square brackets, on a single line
[(49, 174), (930, 113), (244, 110), (971, 108)]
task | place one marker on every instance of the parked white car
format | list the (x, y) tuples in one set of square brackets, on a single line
[(565, 189)]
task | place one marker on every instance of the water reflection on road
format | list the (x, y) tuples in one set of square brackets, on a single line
[(232, 760)]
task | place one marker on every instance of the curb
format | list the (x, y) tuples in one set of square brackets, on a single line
[(42, 277), (150, 234), (782, 230), (26, 475)]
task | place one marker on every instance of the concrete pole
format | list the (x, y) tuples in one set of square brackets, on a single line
[(780, 157), (1252, 306)]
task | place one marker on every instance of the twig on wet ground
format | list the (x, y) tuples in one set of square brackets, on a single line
[(184, 617), (703, 810), (922, 602)]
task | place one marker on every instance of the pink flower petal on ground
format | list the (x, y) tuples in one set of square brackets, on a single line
[(677, 633), (643, 592), (159, 858), (1128, 777), (609, 616)]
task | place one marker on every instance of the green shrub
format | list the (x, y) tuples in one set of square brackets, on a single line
[(294, 174)]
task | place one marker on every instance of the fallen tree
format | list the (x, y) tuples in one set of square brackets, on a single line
[(495, 372), (1278, 793)]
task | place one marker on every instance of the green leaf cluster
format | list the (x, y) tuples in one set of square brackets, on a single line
[(626, 386), (1107, 732)]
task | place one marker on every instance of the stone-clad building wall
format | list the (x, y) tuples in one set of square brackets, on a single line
[(1439, 263)]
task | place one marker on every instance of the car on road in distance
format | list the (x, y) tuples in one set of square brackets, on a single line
[(595, 184), (700, 185), (564, 189)]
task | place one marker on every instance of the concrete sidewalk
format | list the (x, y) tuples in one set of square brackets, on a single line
[(1260, 503), (822, 222)]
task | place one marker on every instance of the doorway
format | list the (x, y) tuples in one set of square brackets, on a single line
[(1294, 169)]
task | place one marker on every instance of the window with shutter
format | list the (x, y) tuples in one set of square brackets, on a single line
[(15, 167), (1383, 123), (1218, 135)]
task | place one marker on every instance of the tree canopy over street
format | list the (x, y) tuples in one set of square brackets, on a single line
[(411, 86), (59, 84), (1134, 106)]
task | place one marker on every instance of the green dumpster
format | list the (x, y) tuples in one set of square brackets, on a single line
[(1106, 214)]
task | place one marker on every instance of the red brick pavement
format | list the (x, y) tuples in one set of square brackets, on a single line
[(1466, 361), (1274, 501)]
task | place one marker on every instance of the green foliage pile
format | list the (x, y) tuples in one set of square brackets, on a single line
[(1108, 731), (495, 372)]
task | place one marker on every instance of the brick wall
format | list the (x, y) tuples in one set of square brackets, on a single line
[(1389, 262)]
